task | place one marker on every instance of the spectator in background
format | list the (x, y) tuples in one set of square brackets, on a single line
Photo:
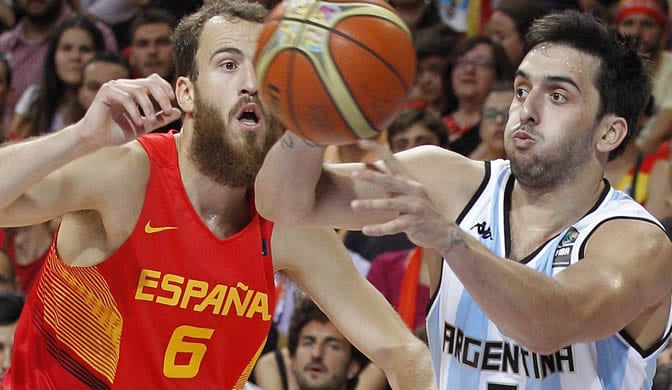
[(318, 356), (646, 20), (151, 48), (11, 305), (52, 105), (432, 48), (477, 63), (25, 45), (494, 117), (509, 23), (101, 68)]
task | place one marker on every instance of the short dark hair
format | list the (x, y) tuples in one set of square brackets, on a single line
[(306, 311), (109, 57), (11, 305), (151, 16), (622, 78), (188, 32), (412, 116)]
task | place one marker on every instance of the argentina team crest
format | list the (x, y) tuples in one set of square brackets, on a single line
[(563, 253)]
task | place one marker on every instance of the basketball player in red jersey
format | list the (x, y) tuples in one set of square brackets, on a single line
[(160, 275)]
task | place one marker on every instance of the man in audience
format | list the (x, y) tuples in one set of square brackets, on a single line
[(100, 69), (151, 48), (318, 355), (646, 21)]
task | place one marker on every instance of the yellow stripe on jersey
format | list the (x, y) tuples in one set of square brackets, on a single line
[(79, 307)]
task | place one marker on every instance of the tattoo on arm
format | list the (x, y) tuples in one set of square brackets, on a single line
[(289, 141)]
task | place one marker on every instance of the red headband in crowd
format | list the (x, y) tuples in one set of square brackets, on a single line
[(647, 7)]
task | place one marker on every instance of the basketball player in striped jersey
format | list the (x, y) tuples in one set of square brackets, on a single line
[(550, 278), (161, 273)]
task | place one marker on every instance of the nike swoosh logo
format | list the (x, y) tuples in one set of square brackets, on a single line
[(149, 229)]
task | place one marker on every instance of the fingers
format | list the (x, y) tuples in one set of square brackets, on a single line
[(393, 165), (139, 93), (391, 184)]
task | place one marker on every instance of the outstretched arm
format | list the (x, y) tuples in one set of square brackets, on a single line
[(34, 187), (608, 290), (294, 186), (317, 261)]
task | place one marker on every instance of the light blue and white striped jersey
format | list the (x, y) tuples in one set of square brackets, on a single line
[(468, 350)]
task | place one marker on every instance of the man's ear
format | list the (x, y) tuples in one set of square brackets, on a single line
[(354, 368), (613, 133), (185, 94)]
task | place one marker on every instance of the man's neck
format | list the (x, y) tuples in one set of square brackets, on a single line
[(224, 210)]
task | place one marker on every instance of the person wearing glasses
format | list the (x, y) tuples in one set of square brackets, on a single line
[(477, 63), (494, 115)]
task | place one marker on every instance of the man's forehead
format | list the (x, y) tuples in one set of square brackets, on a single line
[(560, 59), (220, 31)]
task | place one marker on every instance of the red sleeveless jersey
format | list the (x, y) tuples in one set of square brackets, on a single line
[(174, 308)]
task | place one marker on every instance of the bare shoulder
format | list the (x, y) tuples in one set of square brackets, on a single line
[(641, 239)]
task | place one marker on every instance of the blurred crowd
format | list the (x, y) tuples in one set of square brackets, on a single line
[(56, 54)]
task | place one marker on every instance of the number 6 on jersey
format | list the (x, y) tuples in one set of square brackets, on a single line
[(177, 344)]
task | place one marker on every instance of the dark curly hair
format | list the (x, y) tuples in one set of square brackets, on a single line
[(306, 311)]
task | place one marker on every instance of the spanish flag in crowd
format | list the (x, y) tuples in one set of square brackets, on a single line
[(467, 16)]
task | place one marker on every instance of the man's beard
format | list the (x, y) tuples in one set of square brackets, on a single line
[(48, 16), (214, 153), (552, 169)]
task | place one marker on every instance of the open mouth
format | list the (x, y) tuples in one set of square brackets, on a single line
[(250, 116)]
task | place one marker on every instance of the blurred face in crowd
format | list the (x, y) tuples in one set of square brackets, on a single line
[(323, 358), (474, 72), (74, 48), (94, 75), (494, 116), (502, 30), (40, 11), (646, 29), (417, 134), (429, 81), (152, 50), (6, 345)]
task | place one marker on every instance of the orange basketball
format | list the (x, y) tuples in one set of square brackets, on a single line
[(335, 71)]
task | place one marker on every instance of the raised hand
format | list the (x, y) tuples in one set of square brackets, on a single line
[(123, 110), (417, 215)]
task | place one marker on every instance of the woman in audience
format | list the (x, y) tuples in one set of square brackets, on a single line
[(52, 105), (477, 63)]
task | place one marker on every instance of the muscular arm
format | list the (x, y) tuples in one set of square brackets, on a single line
[(317, 261), (24, 164), (294, 186), (620, 283)]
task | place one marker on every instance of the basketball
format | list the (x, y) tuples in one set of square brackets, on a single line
[(334, 71)]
